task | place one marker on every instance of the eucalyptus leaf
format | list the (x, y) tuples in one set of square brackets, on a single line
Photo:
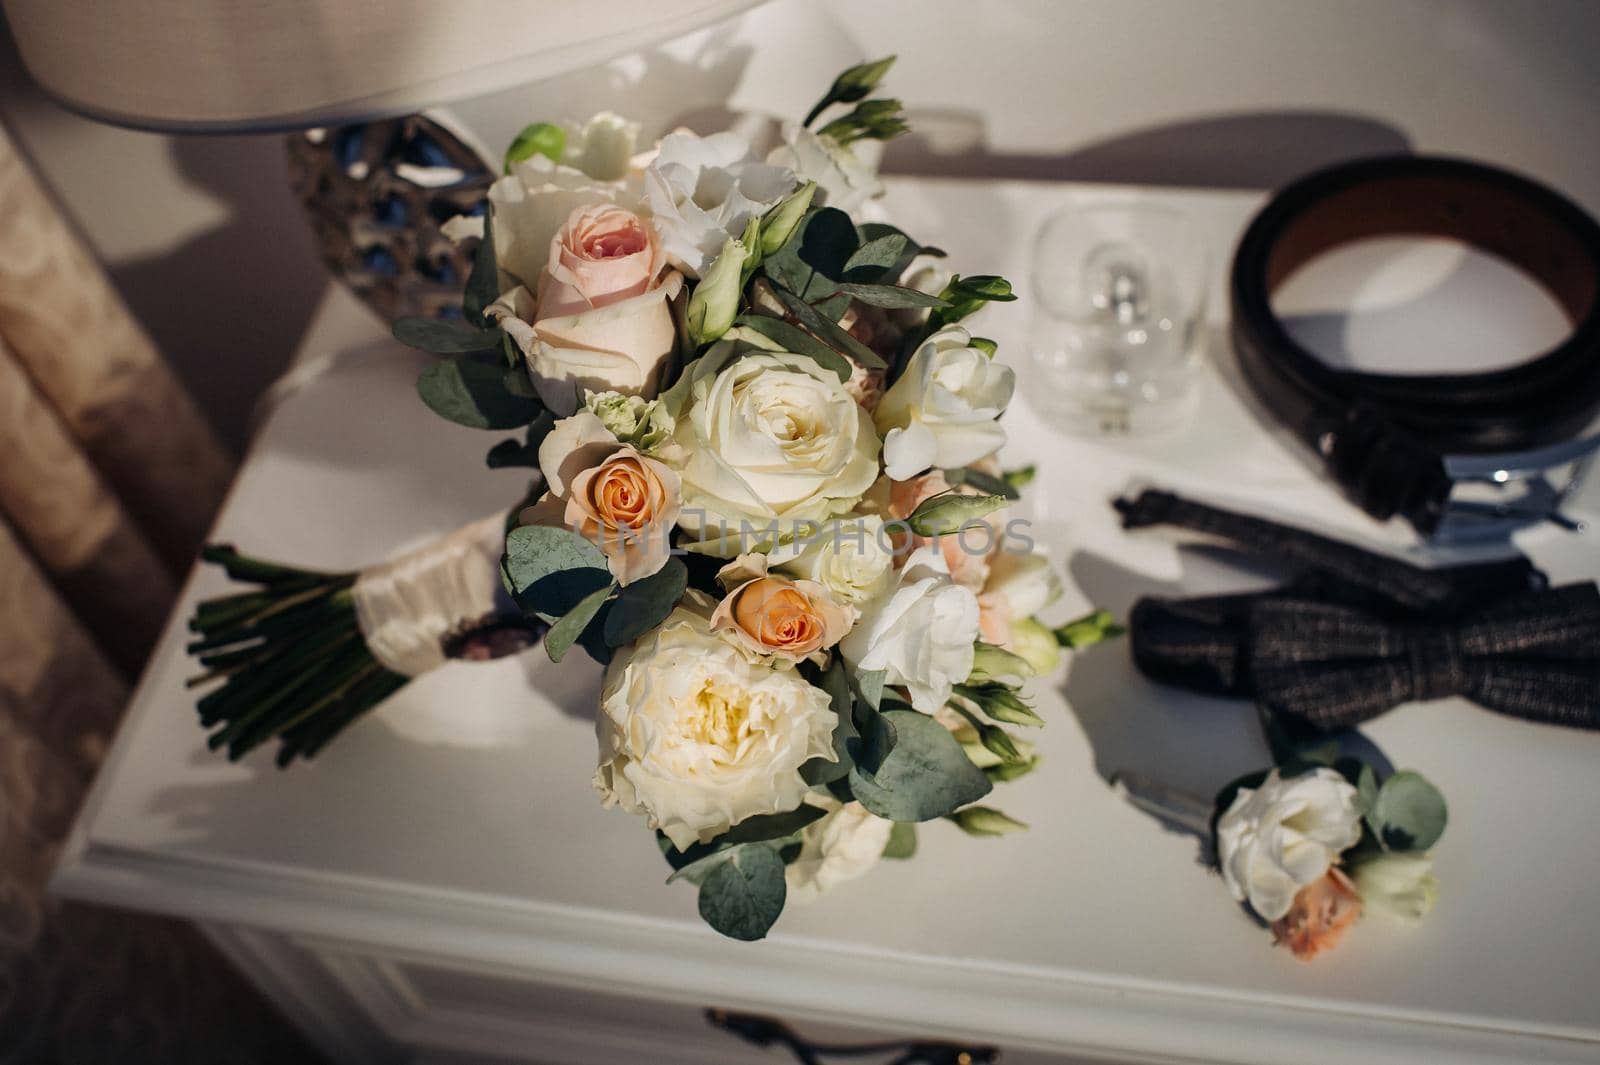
[(811, 263), (762, 828), (873, 260), (565, 632), (890, 297), (868, 683), (836, 682), (1408, 814), (871, 231), (551, 570), (793, 339), (470, 390), (483, 284), (444, 338), (926, 775), (644, 604), (829, 331), (743, 896)]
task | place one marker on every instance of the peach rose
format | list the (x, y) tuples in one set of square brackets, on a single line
[(601, 255), (778, 616), (626, 506), (968, 552), (602, 320), (1321, 911)]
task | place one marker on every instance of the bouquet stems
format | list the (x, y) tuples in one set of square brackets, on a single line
[(290, 656)]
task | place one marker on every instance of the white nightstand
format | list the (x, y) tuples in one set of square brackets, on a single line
[(442, 883)]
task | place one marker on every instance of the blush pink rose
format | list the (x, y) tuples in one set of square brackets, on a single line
[(602, 254)]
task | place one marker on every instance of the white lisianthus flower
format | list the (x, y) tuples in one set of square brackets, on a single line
[(921, 633), (942, 411), (764, 442), (843, 845), (1400, 885), (704, 190), (844, 180), (851, 557), (1277, 838), (697, 737)]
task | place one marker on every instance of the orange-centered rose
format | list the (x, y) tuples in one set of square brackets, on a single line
[(777, 616), (1322, 910), (602, 254), (626, 506)]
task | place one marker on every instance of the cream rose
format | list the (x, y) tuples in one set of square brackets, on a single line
[(623, 502), (765, 441), (921, 633), (942, 411), (602, 321), (788, 619), (842, 845), (851, 557), (703, 190), (1284, 835), (697, 737)]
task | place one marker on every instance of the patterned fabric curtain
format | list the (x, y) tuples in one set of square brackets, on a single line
[(108, 480)]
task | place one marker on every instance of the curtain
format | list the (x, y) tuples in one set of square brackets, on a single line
[(108, 480)]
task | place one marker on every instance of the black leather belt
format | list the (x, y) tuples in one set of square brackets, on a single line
[(1397, 443)]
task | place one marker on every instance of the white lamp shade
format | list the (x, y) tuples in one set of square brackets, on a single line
[(239, 65)]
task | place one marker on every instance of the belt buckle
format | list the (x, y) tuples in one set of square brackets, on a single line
[(1493, 496)]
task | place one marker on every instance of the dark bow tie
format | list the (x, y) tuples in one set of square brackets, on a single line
[(1333, 666)]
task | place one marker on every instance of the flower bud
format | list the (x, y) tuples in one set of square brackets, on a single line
[(541, 138), (631, 419), (779, 224), (1088, 630), (950, 512), (1035, 644), (986, 821), (1400, 885), (715, 302), (991, 663), (1007, 771)]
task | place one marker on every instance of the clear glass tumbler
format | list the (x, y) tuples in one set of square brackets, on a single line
[(1120, 290)]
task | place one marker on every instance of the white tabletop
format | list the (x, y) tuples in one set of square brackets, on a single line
[(459, 820)]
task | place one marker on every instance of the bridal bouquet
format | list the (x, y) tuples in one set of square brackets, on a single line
[(766, 501)]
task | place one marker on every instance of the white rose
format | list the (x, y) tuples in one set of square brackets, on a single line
[(921, 633), (1400, 885), (851, 557), (697, 737), (704, 190), (942, 410), (843, 845), (1276, 839), (765, 441), (844, 180)]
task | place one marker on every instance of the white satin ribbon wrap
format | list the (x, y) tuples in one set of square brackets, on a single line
[(408, 605)]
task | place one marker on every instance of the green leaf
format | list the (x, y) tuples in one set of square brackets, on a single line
[(483, 284), (793, 339), (762, 828), (1367, 791), (541, 138), (1409, 813), (983, 482), (551, 570), (470, 390), (811, 263), (644, 604), (892, 297), (836, 682), (1094, 627), (852, 85), (926, 774), (872, 261), (985, 345), (829, 331), (902, 841), (869, 685), (743, 896), (1021, 477), (565, 632), (871, 231), (444, 338)]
